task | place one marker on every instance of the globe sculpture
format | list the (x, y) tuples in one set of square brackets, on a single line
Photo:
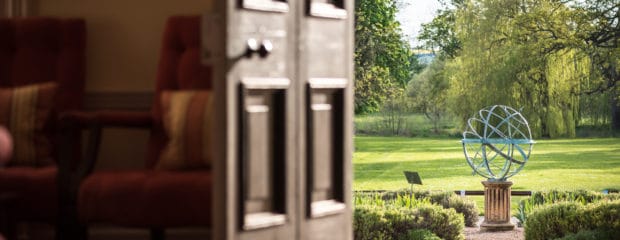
[(497, 142)]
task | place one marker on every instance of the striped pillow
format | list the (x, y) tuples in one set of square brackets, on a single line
[(186, 122), (25, 112)]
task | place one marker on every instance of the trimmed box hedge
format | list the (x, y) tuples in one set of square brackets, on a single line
[(446, 199), (555, 196), (393, 223), (565, 218)]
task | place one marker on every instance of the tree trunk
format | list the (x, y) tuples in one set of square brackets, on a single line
[(615, 112)]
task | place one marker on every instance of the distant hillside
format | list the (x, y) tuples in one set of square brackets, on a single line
[(425, 58)]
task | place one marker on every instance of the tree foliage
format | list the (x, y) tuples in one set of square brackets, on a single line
[(439, 35), (383, 59), (544, 56), (428, 93)]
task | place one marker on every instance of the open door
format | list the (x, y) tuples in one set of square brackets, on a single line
[(283, 119)]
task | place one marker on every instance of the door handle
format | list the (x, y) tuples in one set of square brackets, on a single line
[(253, 47)]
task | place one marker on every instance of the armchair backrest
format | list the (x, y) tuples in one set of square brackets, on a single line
[(179, 69), (45, 49)]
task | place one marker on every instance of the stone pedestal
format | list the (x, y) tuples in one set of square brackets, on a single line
[(497, 206)]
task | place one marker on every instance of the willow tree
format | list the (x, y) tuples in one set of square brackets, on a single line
[(499, 64), (591, 27), (585, 31)]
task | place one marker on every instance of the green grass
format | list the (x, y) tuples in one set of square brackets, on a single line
[(568, 164)]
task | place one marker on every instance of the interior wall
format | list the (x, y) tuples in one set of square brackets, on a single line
[(14, 8), (123, 37), (123, 41)]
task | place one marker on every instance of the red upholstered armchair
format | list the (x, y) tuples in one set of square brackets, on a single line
[(174, 188), (42, 64)]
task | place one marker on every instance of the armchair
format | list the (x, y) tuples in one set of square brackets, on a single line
[(174, 187), (42, 71)]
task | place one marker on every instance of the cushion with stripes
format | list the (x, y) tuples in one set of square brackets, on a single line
[(186, 120), (25, 112)]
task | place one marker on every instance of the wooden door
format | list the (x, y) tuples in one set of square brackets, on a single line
[(282, 127)]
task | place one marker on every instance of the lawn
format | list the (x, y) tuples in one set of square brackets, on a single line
[(379, 162)]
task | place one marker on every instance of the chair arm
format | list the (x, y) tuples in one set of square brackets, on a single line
[(73, 168), (108, 118)]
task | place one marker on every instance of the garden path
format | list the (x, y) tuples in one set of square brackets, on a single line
[(474, 233)]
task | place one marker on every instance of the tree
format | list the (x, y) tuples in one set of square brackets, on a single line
[(599, 37), (598, 34), (372, 85), (428, 92), (499, 64), (439, 35), (549, 57), (590, 27), (383, 59)]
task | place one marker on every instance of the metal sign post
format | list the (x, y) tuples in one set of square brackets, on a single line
[(412, 178)]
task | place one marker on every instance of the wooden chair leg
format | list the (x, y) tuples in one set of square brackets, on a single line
[(158, 234), (7, 225), (68, 226), (72, 232)]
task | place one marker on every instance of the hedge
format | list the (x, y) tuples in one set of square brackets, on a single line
[(420, 234), (393, 223), (597, 234), (565, 218), (447, 199), (554, 196)]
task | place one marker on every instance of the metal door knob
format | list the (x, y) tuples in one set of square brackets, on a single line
[(263, 50)]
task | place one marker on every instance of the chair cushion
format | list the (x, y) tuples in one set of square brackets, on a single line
[(187, 124), (147, 198), (179, 69), (35, 191), (25, 112)]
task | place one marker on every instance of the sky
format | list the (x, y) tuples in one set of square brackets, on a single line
[(413, 14)]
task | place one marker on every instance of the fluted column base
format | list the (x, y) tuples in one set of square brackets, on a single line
[(497, 206)]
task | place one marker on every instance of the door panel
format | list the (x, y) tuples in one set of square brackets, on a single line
[(265, 5), (327, 9), (325, 176), (263, 152)]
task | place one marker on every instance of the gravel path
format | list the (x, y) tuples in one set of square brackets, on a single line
[(474, 233)]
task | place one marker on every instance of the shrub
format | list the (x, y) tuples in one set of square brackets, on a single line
[(553, 196), (446, 199), (390, 222), (561, 219), (369, 223), (420, 234), (597, 234), (554, 221), (464, 206), (445, 223), (605, 214)]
